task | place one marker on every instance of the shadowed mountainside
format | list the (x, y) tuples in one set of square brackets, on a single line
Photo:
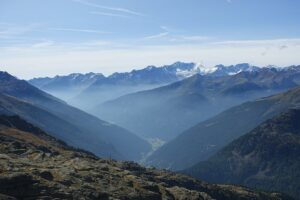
[(203, 140), (70, 124), (34, 165), (266, 158), (167, 111)]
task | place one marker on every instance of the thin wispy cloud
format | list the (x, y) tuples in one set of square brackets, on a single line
[(108, 14), (8, 30), (189, 38), (169, 35), (101, 56), (165, 28), (43, 44), (79, 30), (229, 1), (176, 35), (172, 29), (117, 9), (282, 41), (267, 46), (156, 36)]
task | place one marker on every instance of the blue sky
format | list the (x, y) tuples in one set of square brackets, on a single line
[(48, 37)]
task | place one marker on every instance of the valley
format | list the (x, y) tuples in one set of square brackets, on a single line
[(149, 100), (189, 120)]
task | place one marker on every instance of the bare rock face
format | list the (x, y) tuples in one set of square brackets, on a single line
[(34, 165), (21, 184)]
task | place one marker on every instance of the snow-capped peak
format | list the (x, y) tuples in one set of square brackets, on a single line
[(203, 70), (198, 68), (185, 73)]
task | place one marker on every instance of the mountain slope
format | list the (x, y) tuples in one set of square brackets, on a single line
[(87, 130), (167, 111), (57, 127), (87, 90), (203, 140), (21, 89), (119, 84), (66, 87), (268, 157), (34, 165)]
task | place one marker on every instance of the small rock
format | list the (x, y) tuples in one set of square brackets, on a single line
[(46, 175)]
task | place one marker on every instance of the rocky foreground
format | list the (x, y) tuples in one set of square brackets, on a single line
[(34, 165)]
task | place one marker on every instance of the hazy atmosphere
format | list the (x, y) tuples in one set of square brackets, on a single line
[(46, 38), (150, 100)]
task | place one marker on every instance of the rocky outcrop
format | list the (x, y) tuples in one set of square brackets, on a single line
[(37, 166)]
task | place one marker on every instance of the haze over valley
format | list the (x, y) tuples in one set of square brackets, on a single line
[(154, 100)]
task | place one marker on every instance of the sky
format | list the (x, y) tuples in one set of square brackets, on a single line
[(50, 37)]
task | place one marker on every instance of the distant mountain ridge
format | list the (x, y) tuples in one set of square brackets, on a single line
[(149, 74), (166, 111), (265, 158), (67, 80), (68, 86), (75, 87), (68, 123)]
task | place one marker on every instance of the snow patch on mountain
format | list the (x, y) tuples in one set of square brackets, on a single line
[(196, 69)]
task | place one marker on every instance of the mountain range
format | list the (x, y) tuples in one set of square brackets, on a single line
[(267, 157), (66, 87), (87, 90), (68, 123), (34, 165), (233, 124), (206, 138), (167, 111)]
